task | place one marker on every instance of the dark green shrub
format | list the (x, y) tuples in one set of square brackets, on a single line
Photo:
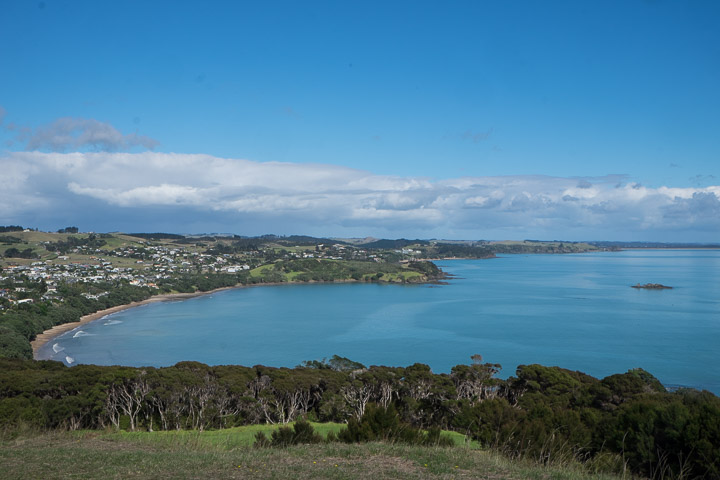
[(301, 433), (14, 344), (377, 423), (304, 433), (261, 440), (282, 437), (384, 424)]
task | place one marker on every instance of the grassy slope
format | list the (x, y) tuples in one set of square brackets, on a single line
[(30, 240), (34, 239), (227, 454), (402, 273)]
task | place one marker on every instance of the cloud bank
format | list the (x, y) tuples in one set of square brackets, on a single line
[(336, 198)]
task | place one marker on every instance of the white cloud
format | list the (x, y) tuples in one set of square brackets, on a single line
[(337, 197)]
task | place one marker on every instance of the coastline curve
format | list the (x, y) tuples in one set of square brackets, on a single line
[(45, 337)]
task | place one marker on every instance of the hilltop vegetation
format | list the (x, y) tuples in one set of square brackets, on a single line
[(624, 421)]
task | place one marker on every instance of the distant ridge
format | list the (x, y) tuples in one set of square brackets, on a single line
[(399, 243), (614, 244), (166, 236)]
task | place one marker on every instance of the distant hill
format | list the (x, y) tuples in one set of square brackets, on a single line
[(157, 236), (653, 245), (399, 243)]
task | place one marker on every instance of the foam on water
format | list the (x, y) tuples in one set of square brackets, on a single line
[(69, 359), (80, 333), (57, 348), (112, 322)]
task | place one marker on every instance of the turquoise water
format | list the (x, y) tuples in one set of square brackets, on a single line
[(574, 311)]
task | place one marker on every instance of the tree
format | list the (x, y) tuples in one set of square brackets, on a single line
[(475, 382), (15, 253), (13, 344), (125, 396)]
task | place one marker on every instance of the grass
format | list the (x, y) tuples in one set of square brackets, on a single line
[(227, 454), (117, 241), (235, 437), (261, 271), (34, 239), (227, 438), (400, 276)]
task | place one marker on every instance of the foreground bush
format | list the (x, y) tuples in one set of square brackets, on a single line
[(302, 433), (547, 414), (384, 424)]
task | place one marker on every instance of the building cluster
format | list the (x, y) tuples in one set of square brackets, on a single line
[(146, 265)]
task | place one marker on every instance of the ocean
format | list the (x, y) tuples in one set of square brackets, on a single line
[(574, 311)]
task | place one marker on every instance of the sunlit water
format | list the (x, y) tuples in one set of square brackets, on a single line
[(574, 311)]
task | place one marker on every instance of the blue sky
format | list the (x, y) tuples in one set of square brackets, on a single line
[(484, 119)]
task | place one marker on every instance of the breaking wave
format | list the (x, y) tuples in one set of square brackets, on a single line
[(80, 333)]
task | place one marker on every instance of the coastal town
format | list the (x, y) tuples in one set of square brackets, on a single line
[(34, 264), (105, 258), (156, 263)]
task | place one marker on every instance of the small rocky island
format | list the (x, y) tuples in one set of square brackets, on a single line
[(652, 286)]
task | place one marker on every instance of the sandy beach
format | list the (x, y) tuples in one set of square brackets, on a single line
[(58, 330)]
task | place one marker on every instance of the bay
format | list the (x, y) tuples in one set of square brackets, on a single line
[(575, 311)]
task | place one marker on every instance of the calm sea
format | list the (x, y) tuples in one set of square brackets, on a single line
[(574, 311)]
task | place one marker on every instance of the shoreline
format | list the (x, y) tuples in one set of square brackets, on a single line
[(45, 337)]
